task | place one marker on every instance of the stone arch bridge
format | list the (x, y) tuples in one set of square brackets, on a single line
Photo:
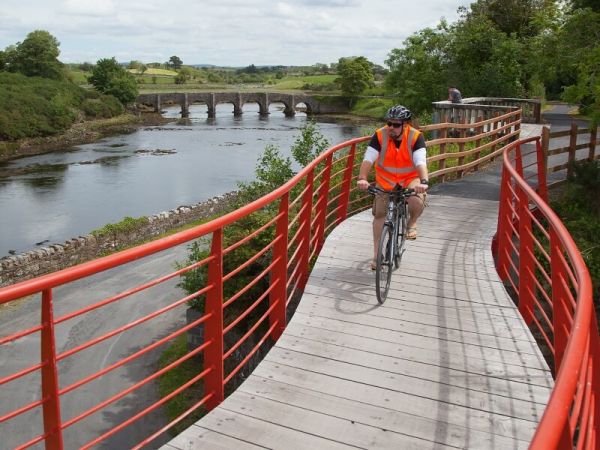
[(312, 105)]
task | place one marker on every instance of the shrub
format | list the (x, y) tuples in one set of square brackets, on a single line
[(103, 107)]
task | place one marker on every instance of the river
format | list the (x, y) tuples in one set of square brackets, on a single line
[(68, 193)]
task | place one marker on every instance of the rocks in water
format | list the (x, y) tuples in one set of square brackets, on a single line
[(156, 152)]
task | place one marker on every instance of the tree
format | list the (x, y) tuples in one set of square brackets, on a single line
[(485, 61), (355, 75), (510, 16), (419, 71), (108, 77), (36, 56), (183, 76), (175, 62)]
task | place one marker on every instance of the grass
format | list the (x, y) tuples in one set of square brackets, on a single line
[(292, 82), (152, 71), (176, 377)]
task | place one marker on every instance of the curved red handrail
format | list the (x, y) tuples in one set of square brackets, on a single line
[(570, 418)]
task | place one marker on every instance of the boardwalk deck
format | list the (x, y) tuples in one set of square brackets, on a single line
[(446, 362)]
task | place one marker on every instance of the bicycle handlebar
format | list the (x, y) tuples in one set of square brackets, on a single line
[(372, 189)]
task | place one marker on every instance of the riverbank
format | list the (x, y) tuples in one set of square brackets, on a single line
[(110, 239), (80, 133)]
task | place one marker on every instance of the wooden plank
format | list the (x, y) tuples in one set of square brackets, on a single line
[(382, 396), (449, 334), (415, 286), (496, 391), (380, 417), (260, 432), (198, 437), (328, 426), (307, 322), (423, 303), (514, 328), (415, 361)]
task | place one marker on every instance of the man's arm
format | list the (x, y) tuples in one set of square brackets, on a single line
[(363, 173)]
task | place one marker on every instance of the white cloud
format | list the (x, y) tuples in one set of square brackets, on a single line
[(88, 7), (223, 32)]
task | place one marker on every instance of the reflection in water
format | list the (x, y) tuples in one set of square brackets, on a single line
[(64, 194), (43, 182)]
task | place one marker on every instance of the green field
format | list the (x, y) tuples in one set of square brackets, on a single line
[(158, 72)]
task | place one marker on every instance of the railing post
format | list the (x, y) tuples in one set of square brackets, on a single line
[(526, 260), (461, 147), (593, 137), (213, 356), (278, 294), (442, 162), (504, 231), (51, 405), (478, 132), (560, 302), (545, 145), (321, 218), (537, 112), (541, 170), (305, 219), (346, 185), (572, 149)]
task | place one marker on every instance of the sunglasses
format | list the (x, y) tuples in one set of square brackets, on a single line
[(394, 125)]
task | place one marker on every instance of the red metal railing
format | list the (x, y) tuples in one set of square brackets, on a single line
[(297, 216), (537, 257), (295, 219)]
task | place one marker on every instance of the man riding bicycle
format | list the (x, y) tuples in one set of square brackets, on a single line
[(399, 154)]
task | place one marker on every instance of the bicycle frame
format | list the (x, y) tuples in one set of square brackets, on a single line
[(389, 249)]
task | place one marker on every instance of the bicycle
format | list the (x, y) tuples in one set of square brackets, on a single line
[(393, 237)]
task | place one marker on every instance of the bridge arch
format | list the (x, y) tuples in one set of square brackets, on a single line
[(238, 99)]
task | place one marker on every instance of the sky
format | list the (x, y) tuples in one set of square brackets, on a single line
[(233, 33)]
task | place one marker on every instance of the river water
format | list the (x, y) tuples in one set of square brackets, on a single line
[(68, 193)]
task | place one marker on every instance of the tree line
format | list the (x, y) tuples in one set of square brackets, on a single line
[(504, 48)]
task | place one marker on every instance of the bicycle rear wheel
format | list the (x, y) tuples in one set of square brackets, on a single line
[(385, 261)]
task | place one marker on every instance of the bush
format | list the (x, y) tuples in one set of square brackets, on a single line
[(579, 208), (103, 107), (33, 106)]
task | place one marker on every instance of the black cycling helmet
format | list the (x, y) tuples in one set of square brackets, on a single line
[(398, 112)]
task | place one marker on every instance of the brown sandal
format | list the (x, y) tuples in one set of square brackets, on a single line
[(411, 233)]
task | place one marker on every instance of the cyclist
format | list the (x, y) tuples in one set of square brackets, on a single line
[(399, 154)]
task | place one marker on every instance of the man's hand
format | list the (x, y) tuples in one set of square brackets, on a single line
[(421, 188), (362, 184)]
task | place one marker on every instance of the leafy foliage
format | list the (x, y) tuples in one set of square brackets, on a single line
[(272, 170), (35, 107), (579, 209), (109, 78), (175, 62), (36, 56), (509, 48), (356, 75)]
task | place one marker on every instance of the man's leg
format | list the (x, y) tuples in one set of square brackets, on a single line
[(377, 228), (416, 204)]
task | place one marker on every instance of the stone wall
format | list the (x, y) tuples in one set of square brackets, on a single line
[(55, 257)]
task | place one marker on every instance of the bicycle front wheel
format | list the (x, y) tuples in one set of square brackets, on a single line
[(385, 261), (401, 239)]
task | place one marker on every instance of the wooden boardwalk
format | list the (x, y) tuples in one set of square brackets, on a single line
[(446, 362)]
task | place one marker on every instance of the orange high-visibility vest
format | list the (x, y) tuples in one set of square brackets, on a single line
[(395, 166)]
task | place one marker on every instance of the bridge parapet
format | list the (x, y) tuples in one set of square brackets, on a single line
[(473, 109), (312, 104)]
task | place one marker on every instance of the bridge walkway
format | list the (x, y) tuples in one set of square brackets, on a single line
[(446, 362)]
